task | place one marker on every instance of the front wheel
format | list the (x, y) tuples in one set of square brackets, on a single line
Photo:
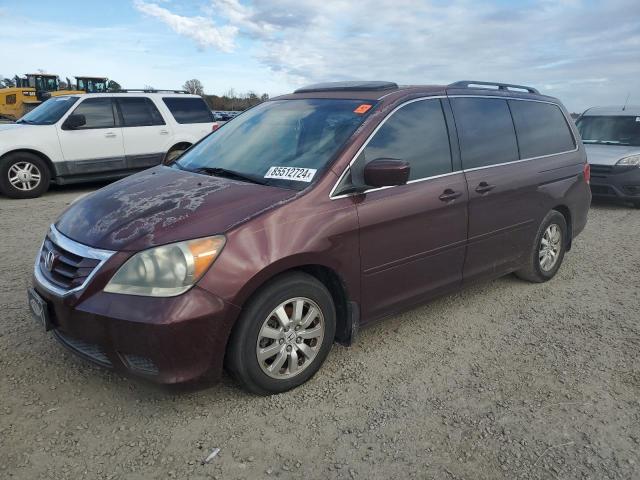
[(548, 249), (283, 335), (23, 175)]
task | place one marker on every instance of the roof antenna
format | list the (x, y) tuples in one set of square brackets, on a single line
[(626, 102)]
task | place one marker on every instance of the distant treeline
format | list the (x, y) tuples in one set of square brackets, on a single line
[(230, 101)]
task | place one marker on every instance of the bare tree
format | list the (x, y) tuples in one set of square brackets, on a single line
[(194, 86)]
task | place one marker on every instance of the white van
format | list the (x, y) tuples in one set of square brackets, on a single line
[(101, 136)]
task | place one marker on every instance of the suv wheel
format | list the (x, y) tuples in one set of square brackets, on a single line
[(283, 335), (23, 175), (172, 156), (548, 249)]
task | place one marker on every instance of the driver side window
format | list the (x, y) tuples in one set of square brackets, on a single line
[(98, 113), (416, 133)]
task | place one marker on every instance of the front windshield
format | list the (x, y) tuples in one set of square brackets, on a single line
[(610, 130), (49, 112), (284, 143)]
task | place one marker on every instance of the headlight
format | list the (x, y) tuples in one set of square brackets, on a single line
[(168, 270), (633, 160)]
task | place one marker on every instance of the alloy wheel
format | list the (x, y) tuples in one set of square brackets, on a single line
[(290, 338), (550, 246), (24, 176)]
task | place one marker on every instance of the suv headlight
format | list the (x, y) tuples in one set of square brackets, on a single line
[(633, 160), (168, 270)]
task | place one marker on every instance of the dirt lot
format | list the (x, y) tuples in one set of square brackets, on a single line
[(504, 380)]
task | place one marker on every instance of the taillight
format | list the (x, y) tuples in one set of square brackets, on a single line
[(587, 172), (215, 126)]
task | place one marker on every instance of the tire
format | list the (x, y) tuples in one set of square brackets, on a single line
[(553, 231), (172, 156), (23, 175), (259, 329), (636, 204)]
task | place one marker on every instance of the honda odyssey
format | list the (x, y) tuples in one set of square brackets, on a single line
[(306, 217)]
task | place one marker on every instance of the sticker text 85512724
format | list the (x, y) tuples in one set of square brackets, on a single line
[(291, 173)]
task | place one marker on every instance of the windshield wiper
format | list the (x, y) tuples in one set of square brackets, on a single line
[(223, 172), (28, 122)]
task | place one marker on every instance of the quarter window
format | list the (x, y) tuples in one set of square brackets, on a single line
[(485, 128), (541, 129), (417, 133), (98, 113), (188, 110), (139, 112)]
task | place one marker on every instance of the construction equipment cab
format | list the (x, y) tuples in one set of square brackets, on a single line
[(92, 84), (29, 92), (98, 136)]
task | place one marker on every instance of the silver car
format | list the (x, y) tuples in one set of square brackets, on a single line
[(612, 139)]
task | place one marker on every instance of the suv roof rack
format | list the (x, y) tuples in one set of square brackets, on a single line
[(148, 90), (348, 86), (500, 86)]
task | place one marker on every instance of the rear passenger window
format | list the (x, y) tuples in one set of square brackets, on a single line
[(417, 133), (486, 132), (188, 110), (139, 112), (98, 113), (541, 129)]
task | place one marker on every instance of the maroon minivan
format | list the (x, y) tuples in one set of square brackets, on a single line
[(306, 217)]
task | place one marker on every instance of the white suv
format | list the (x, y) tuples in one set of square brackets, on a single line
[(77, 138)]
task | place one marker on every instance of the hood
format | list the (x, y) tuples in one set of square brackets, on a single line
[(608, 154), (164, 205), (12, 127)]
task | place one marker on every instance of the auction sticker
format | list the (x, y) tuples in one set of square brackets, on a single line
[(291, 173)]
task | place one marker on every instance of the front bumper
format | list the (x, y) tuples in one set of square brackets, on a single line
[(614, 181), (168, 340)]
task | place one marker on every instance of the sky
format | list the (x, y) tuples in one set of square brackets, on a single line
[(584, 52)]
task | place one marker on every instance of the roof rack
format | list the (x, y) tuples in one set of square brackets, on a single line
[(348, 86), (148, 90), (500, 86)]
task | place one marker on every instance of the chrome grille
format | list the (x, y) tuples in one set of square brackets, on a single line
[(64, 266)]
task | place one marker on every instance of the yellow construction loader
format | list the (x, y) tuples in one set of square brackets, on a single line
[(29, 92)]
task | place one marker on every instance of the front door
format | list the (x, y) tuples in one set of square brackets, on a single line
[(413, 236), (97, 145)]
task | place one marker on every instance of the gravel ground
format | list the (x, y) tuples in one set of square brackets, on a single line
[(503, 380)]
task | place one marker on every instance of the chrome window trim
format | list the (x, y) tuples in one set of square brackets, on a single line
[(364, 145), (77, 249)]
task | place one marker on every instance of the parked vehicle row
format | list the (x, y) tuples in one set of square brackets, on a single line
[(76, 138), (308, 216), (612, 139)]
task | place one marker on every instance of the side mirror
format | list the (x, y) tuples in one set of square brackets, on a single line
[(74, 121), (386, 172)]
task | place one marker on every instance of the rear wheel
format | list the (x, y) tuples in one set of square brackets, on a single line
[(173, 155), (23, 175), (548, 249), (283, 335)]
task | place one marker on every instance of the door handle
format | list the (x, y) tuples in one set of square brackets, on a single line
[(164, 132), (110, 135), (484, 187), (449, 195)]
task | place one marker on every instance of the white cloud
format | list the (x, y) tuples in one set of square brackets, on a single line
[(564, 44), (200, 29)]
